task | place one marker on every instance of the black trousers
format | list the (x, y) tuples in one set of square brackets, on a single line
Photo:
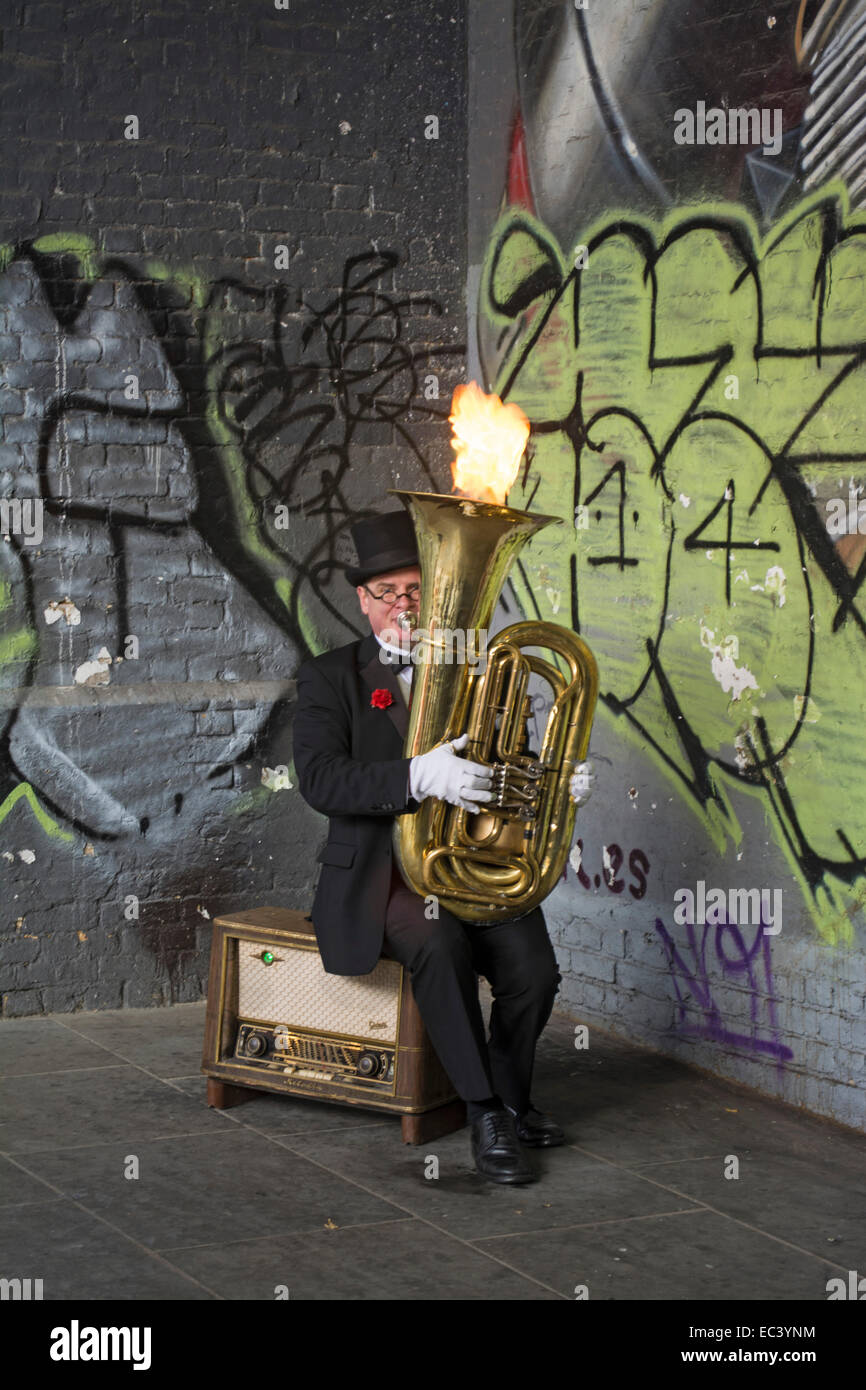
[(444, 957)]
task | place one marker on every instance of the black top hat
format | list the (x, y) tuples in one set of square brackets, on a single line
[(384, 543)]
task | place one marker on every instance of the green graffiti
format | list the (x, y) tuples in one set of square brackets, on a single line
[(25, 792), (17, 646), (72, 244), (695, 392)]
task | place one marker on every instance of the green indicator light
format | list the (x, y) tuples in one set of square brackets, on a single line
[(268, 957)]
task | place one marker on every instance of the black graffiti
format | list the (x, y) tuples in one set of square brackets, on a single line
[(270, 394), (698, 540), (583, 427), (639, 867), (350, 367)]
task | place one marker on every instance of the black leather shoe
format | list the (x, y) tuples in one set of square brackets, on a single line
[(537, 1130), (496, 1149)]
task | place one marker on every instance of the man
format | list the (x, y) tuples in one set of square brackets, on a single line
[(350, 727)]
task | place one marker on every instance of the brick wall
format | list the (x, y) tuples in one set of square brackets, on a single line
[(254, 305), (671, 374)]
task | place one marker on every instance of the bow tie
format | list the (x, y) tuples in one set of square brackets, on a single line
[(396, 660)]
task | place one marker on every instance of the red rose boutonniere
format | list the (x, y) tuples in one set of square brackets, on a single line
[(381, 699)]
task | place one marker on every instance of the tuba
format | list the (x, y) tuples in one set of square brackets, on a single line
[(497, 864)]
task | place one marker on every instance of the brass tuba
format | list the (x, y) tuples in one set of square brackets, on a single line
[(500, 863)]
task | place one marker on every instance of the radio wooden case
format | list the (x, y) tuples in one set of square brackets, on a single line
[(277, 1021)]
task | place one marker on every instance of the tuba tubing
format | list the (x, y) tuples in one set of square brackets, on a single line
[(502, 862)]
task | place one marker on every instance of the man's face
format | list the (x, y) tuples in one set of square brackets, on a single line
[(384, 612)]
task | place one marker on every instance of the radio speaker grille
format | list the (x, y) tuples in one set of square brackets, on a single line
[(296, 989)]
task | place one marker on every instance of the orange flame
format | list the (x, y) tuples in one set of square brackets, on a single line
[(488, 439)]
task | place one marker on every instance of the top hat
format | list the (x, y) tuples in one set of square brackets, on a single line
[(384, 543)]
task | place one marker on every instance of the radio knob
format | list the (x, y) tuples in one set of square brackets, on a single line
[(257, 1044), (368, 1064)]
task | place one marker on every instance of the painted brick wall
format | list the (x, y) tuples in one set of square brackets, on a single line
[(686, 363), (169, 378)]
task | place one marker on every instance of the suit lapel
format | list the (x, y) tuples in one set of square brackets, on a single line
[(378, 675)]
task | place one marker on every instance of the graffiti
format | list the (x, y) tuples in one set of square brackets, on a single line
[(746, 965), (613, 858), (46, 824), (692, 389), (594, 125), (325, 382), (161, 422)]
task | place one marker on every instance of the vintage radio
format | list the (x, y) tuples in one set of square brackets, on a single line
[(277, 1021)]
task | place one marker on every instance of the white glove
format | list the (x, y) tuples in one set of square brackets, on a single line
[(442, 774), (581, 782)]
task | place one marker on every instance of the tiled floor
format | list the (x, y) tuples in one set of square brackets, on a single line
[(330, 1203)]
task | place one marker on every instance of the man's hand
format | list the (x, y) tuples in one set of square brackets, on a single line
[(442, 774), (581, 782)]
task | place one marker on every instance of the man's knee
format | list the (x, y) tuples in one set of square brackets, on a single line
[(446, 942), (419, 940), (544, 965), (541, 975), (531, 972), (553, 978)]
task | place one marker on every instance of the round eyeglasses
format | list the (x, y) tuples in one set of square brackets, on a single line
[(391, 596)]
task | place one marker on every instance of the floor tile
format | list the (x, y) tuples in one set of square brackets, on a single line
[(18, 1188), (32, 1045), (572, 1187), (228, 1186), (78, 1257), (91, 1107), (167, 1042), (328, 1200), (693, 1257), (398, 1260), (818, 1208), (645, 1111)]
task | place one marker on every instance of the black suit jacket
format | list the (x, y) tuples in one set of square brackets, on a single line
[(350, 766)]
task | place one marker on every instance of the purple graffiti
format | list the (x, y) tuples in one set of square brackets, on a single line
[(751, 965)]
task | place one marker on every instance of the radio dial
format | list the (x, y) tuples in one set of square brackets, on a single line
[(368, 1064), (257, 1044)]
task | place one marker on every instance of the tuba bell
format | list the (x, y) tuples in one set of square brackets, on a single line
[(497, 864)]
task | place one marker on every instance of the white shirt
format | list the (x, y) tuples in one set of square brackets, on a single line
[(404, 676)]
